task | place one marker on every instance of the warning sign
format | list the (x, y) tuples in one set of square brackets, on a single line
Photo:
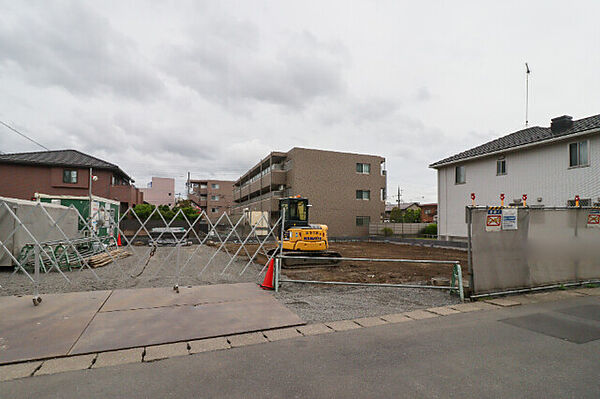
[(493, 221), (593, 219), (509, 219)]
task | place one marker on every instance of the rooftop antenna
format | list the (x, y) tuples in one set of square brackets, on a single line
[(527, 72)]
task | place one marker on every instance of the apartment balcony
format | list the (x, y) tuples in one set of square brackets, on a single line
[(125, 193)]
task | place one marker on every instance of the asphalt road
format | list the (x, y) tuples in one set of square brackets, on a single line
[(468, 355)]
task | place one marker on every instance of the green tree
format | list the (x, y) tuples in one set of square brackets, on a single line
[(407, 216), (143, 211)]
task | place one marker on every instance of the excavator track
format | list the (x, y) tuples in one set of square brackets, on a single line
[(298, 263)]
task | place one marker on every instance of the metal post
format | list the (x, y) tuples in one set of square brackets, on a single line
[(461, 291), (36, 276), (276, 277), (470, 250), (178, 249)]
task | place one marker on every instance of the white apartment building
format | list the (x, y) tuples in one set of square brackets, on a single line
[(551, 165)]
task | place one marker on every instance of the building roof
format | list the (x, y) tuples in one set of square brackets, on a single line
[(404, 205), (68, 158), (532, 135)]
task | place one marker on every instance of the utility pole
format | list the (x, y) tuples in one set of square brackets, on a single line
[(188, 186)]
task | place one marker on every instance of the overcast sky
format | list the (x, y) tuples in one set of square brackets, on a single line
[(165, 87)]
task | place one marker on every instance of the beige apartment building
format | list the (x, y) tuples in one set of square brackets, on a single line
[(160, 191), (346, 190), (212, 196)]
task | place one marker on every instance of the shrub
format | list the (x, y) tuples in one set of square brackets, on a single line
[(143, 211), (430, 229), (387, 231)]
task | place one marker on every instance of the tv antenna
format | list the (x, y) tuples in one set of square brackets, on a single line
[(527, 72)]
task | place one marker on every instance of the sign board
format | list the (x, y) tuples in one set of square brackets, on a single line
[(593, 219), (493, 220), (509, 219)]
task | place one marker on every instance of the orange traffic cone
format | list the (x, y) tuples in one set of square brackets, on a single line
[(268, 281), (119, 240)]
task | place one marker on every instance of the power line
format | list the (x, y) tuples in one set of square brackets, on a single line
[(25, 136)]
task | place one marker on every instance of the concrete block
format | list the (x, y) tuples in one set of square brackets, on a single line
[(62, 364), (314, 329), (157, 352), (395, 318), (370, 321), (342, 325), (246, 339), (282, 333), (443, 310), (114, 358), (210, 344), (19, 370), (504, 302), (420, 314)]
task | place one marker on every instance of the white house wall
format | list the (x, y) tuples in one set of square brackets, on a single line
[(540, 172)]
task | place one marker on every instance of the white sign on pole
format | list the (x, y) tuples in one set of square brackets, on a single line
[(509, 219)]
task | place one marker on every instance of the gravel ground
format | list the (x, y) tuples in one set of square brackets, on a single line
[(313, 303)]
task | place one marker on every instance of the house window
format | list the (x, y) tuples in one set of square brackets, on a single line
[(363, 194), (215, 186), (363, 220), (578, 154), (382, 194), (501, 167), (69, 176), (214, 210), (363, 168), (214, 197), (460, 175)]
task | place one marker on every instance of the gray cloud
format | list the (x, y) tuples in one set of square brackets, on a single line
[(229, 64), (70, 46)]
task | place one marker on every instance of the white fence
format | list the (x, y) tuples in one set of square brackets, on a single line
[(397, 228)]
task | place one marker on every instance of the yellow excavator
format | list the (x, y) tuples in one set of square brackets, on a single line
[(301, 238)]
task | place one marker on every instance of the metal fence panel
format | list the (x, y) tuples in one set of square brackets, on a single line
[(550, 246)]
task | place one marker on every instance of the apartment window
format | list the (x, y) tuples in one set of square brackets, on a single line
[(460, 176), (363, 220), (578, 154), (214, 210), (203, 185), (501, 167), (69, 176), (214, 197), (363, 194), (363, 168), (382, 194), (215, 186)]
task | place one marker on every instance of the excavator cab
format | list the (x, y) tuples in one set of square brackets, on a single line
[(295, 210)]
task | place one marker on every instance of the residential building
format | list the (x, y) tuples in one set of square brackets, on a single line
[(347, 191), (428, 213), (64, 172), (215, 197), (404, 206), (160, 191), (551, 165)]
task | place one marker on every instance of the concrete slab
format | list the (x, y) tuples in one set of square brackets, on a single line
[(30, 332), (121, 329), (157, 352), (19, 370), (209, 344), (472, 306), (246, 339), (588, 291), (504, 302), (145, 298), (63, 364), (114, 358), (370, 321), (314, 329), (395, 318), (282, 333), (420, 314), (342, 325), (553, 295), (443, 310)]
